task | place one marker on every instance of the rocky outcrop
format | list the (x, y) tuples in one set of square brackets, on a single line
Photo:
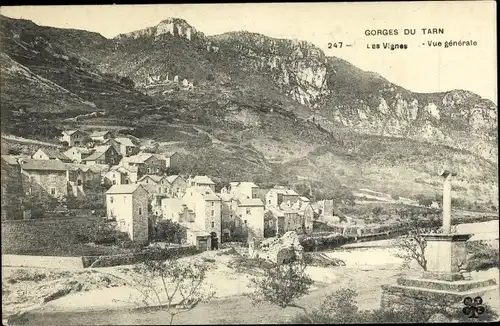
[(173, 26), (281, 250)]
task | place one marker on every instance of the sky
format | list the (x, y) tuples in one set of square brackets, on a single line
[(419, 68)]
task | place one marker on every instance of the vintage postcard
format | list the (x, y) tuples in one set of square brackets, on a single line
[(249, 163)]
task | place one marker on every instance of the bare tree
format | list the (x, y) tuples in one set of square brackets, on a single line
[(282, 285), (171, 285), (412, 246)]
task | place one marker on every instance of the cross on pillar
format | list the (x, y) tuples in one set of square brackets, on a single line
[(447, 175)]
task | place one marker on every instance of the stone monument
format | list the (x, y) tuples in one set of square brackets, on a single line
[(442, 285)]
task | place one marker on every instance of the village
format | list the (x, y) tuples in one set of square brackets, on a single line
[(139, 186), (97, 177)]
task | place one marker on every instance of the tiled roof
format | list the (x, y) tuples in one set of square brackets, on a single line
[(284, 191), (10, 159), (123, 189), (44, 165), (94, 156), (82, 150), (244, 183), (206, 192), (98, 152), (250, 202), (172, 178), (69, 132), (124, 141), (276, 212), (55, 154), (139, 158), (155, 178), (305, 199), (203, 179)]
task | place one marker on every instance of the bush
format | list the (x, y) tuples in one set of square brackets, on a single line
[(340, 308), (102, 231), (482, 257)]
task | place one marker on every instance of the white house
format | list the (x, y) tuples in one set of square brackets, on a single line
[(251, 212), (248, 189), (207, 207), (128, 204)]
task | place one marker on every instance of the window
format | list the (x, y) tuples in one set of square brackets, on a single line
[(212, 212), (41, 156), (213, 224), (114, 175), (248, 211), (126, 181), (111, 199), (140, 210), (52, 191), (147, 181), (159, 189), (269, 201), (271, 223), (114, 182), (149, 170), (213, 204), (79, 182), (157, 170), (245, 222), (230, 216)]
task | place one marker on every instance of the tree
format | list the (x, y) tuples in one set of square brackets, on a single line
[(412, 246), (282, 285), (169, 231), (171, 285)]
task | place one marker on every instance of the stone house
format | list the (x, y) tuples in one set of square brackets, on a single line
[(73, 137), (118, 175), (106, 154), (45, 178), (178, 186), (325, 207), (207, 207), (201, 181), (81, 175), (145, 163), (12, 188), (173, 160), (128, 204), (251, 212), (176, 209), (50, 154), (247, 189), (77, 154), (276, 218), (123, 145), (306, 214), (231, 223), (100, 136), (278, 195), (155, 184)]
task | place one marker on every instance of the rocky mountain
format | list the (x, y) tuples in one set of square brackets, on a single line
[(231, 100)]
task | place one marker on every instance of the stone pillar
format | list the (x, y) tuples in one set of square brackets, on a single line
[(447, 203)]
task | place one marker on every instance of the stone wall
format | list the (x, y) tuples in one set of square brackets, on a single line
[(25, 237)]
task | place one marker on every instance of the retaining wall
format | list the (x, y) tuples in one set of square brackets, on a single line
[(23, 237)]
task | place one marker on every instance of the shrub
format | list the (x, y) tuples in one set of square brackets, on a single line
[(482, 257), (340, 308), (100, 231)]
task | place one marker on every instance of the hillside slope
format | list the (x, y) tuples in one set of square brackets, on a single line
[(259, 108)]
